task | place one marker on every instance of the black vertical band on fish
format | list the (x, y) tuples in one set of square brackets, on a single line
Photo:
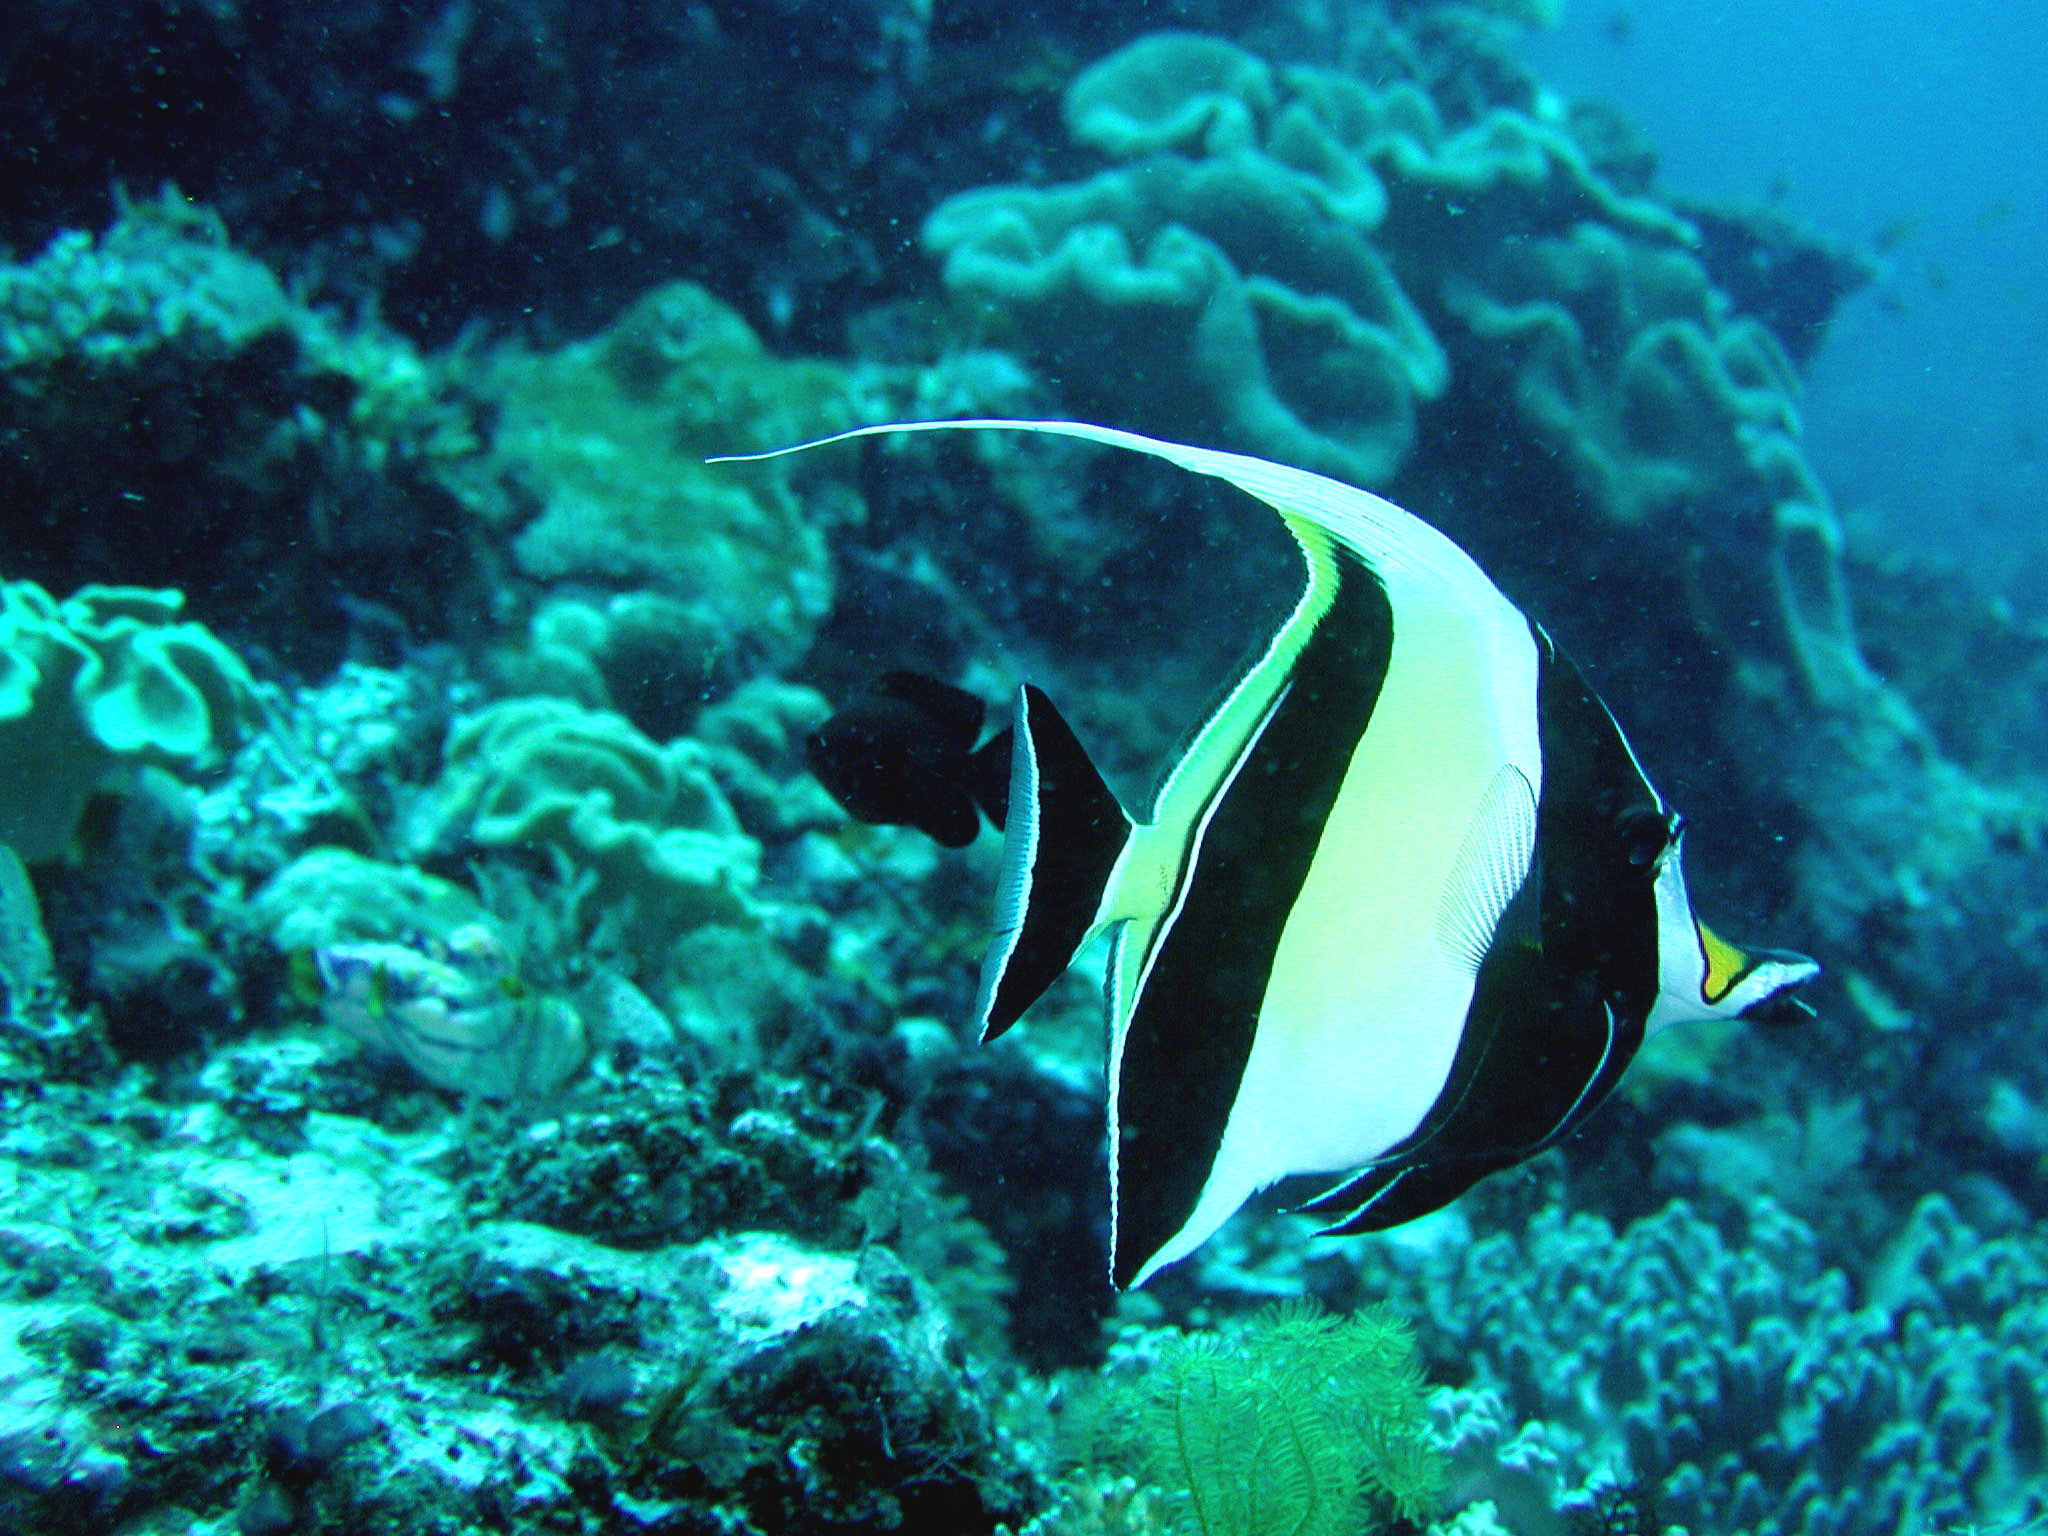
[(1068, 830), (1191, 1033)]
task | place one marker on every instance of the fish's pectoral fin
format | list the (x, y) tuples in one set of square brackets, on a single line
[(1064, 832), (1493, 860)]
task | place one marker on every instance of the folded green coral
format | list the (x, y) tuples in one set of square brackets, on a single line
[(537, 774), (1269, 248), (93, 688)]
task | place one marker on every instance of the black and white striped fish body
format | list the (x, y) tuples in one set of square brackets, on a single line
[(1404, 910)]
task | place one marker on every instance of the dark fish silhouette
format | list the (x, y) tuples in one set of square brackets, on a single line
[(903, 755)]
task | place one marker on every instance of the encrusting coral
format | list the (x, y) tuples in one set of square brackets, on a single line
[(610, 435)]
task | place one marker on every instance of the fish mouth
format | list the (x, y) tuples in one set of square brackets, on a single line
[(1781, 1010), (1782, 1007)]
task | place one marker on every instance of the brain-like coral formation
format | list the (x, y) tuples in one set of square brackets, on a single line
[(94, 687), (1220, 293), (538, 774), (610, 435)]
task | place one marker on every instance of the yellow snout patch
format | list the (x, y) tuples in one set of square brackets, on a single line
[(1726, 964)]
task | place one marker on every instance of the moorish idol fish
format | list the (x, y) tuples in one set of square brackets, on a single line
[(1403, 911)]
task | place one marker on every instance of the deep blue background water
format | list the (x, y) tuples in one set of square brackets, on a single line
[(1917, 125)]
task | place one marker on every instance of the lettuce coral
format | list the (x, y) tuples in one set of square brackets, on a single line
[(538, 774), (1306, 262), (96, 686), (1239, 247)]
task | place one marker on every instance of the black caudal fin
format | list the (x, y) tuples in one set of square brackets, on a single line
[(1061, 844), (903, 755), (988, 776)]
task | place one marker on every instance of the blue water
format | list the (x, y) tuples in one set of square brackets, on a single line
[(1918, 128)]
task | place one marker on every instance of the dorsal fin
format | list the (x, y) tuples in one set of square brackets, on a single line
[(1391, 541)]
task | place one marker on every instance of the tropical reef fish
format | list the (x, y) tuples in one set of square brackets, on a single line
[(1404, 910), (903, 755)]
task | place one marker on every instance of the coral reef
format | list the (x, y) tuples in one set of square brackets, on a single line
[(459, 1072), (1581, 383), (279, 1314), (537, 773), (511, 159), (1306, 262), (1270, 247), (1742, 1381), (175, 418)]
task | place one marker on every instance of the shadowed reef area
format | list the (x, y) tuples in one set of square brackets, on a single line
[(459, 1071)]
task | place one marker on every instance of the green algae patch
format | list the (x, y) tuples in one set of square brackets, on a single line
[(609, 436), (1295, 1420)]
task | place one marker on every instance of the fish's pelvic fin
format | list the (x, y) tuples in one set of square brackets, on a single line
[(1064, 831), (1394, 1193)]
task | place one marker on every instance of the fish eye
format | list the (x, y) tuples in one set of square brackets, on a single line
[(1645, 834)]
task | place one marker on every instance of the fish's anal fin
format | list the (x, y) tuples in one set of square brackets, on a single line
[(1064, 833)]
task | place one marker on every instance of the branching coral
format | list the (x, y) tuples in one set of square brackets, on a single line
[(1745, 1384)]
